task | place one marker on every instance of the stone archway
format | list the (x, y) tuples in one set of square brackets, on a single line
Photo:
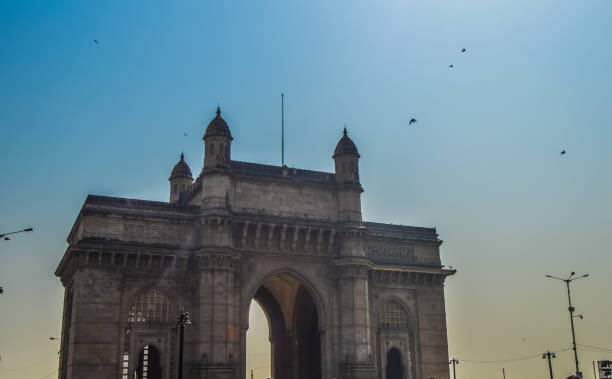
[(149, 363), (394, 369), (294, 327)]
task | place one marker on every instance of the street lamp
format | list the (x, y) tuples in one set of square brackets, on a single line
[(19, 231), (183, 320), (571, 309), (454, 362)]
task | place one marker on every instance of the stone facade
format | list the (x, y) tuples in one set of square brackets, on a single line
[(345, 298)]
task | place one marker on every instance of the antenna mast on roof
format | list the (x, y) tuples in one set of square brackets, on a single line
[(282, 129)]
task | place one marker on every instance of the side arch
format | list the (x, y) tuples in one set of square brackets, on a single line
[(396, 334)]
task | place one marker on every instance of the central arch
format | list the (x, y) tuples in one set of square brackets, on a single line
[(293, 320)]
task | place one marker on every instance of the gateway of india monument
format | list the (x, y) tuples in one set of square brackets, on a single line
[(344, 298)]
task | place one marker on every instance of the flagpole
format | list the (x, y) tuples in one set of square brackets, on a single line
[(282, 129)]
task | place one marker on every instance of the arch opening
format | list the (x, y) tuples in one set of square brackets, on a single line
[(149, 366), (394, 364), (293, 319)]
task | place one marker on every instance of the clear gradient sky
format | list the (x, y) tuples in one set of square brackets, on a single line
[(482, 164)]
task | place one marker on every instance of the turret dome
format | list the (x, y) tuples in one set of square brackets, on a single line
[(181, 170), (345, 146), (218, 127)]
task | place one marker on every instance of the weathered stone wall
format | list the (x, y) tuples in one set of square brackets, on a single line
[(285, 199)]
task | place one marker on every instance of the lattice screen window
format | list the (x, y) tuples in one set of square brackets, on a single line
[(152, 306), (393, 316)]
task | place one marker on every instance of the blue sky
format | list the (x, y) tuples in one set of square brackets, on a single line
[(482, 163)]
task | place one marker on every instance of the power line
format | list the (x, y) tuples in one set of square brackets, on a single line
[(48, 375), (19, 368), (513, 359), (595, 347)]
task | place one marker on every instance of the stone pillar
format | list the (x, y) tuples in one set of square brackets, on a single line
[(218, 328), (356, 359), (94, 327)]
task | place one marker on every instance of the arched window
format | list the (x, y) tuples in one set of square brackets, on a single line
[(151, 307), (393, 316)]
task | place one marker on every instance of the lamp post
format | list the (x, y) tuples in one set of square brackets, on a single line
[(19, 231), (549, 355), (454, 362), (183, 320), (571, 309)]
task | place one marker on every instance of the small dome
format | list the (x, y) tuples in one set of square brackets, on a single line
[(345, 146), (218, 127), (181, 170)]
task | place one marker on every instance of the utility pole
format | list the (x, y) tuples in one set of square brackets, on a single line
[(549, 355), (571, 309), (504, 372), (183, 320), (454, 362)]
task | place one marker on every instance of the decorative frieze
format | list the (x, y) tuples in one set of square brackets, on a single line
[(391, 253), (283, 238), (407, 277)]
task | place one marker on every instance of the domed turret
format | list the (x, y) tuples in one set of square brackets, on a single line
[(345, 146), (346, 158), (180, 179), (217, 143)]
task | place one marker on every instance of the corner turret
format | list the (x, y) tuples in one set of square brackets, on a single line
[(217, 144), (180, 179), (346, 158)]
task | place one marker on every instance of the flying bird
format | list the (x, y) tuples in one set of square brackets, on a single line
[(451, 66), (412, 121), (96, 41), (463, 50), (185, 134), (563, 152)]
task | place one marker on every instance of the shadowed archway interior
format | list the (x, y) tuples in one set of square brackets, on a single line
[(149, 363), (294, 328), (394, 364)]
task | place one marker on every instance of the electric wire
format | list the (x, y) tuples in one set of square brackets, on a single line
[(48, 375), (510, 360), (594, 347)]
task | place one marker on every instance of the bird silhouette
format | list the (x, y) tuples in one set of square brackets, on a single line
[(451, 66), (563, 152), (96, 41), (185, 134), (463, 50), (412, 121)]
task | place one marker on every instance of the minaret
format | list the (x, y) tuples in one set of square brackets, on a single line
[(352, 268), (346, 158), (217, 144), (180, 179)]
